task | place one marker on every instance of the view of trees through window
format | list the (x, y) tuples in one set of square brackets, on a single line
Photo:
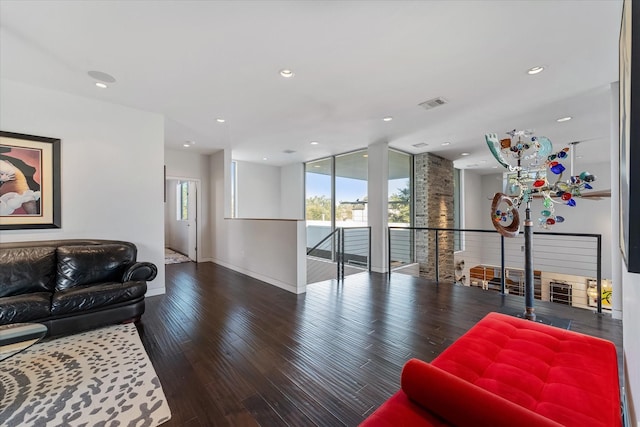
[(319, 209), (337, 192), (352, 175), (400, 165)]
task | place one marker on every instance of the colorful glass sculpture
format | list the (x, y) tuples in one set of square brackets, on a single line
[(532, 180)]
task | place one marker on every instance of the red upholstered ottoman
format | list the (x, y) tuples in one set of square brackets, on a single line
[(507, 371)]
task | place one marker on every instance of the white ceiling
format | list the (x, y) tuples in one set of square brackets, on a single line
[(355, 62)]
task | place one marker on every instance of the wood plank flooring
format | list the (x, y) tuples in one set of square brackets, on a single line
[(233, 351)]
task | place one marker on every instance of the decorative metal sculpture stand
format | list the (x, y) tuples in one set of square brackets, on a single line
[(529, 181)]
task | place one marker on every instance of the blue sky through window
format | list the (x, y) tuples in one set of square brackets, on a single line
[(348, 189)]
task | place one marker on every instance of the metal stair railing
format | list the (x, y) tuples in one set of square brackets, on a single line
[(349, 248), (434, 250)]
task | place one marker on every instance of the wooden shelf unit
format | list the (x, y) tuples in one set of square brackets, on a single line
[(488, 277)]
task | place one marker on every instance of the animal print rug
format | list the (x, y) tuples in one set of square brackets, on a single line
[(173, 257), (97, 378)]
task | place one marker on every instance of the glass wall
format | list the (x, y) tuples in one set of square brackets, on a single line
[(351, 174), (318, 200), (400, 189)]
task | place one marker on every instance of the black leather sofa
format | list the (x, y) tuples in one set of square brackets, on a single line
[(72, 285)]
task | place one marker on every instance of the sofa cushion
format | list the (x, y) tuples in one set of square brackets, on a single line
[(27, 270), (87, 264), (24, 308), (399, 410), (568, 377), (461, 403), (83, 298)]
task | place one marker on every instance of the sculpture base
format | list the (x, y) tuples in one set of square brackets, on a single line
[(530, 314)]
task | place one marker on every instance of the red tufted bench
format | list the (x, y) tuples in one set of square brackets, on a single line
[(505, 372)]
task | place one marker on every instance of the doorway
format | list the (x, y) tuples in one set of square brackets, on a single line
[(181, 225)]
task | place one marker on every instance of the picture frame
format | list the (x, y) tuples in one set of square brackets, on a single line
[(629, 152), (29, 182)]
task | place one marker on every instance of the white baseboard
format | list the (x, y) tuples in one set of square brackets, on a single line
[(155, 291), (269, 280)]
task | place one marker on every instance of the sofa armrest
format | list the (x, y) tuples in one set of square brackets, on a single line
[(461, 403), (144, 271)]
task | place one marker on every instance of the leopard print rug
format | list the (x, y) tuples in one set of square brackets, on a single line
[(97, 378)]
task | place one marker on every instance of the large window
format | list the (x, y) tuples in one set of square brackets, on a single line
[(336, 194), (400, 189), (319, 197), (351, 189)]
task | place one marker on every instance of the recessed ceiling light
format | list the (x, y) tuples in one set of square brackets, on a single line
[(220, 120), (494, 167), (264, 158), (314, 143), (102, 76), (465, 154), (387, 119), (365, 155), (564, 119), (420, 145), (535, 70), (101, 85), (186, 145), (446, 143), (286, 73)]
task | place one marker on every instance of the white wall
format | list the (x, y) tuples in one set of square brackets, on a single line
[(258, 188), (112, 166), (292, 191), (190, 165), (474, 211), (270, 250), (170, 214), (176, 234), (473, 207)]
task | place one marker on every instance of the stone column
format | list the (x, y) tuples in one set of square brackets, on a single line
[(434, 208)]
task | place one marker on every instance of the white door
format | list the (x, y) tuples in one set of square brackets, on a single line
[(192, 221)]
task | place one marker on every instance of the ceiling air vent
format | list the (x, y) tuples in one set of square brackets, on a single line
[(433, 103), (289, 151), (420, 144)]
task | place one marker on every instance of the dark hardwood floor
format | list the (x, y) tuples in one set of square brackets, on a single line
[(233, 351)]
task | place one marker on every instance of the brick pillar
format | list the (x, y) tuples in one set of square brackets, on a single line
[(434, 208)]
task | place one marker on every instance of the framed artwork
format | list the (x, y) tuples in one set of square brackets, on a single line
[(29, 181), (629, 57)]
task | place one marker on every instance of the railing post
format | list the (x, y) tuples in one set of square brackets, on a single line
[(437, 259), (338, 257), (342, 254), (369, 246), (503, 270), (599, 274), (388, 251)]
